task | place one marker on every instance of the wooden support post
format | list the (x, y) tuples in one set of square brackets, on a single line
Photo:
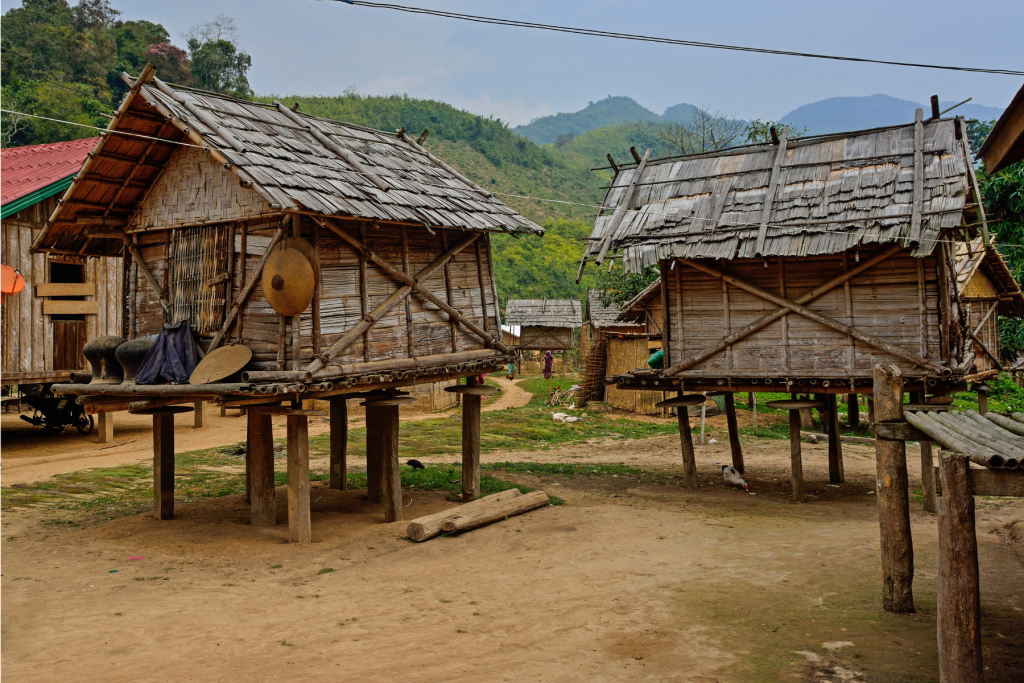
[(163, 465), (852, 411), (248, 462), (299, 525), (734, 432), (470, 444), (260, 458), (982, 401), (959, 603), (929, 497), (752, 399), (686, 442), (200, 414), (391, 479), (339, 443), (104, 428), (892, 487), (871, 410), (796, 456), (807, 418), (373, 465), (836, 475)]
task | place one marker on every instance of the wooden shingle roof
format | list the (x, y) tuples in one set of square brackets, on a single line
[(602, 317), (833, 193), (295, 162), (544, 312), (990, 263)]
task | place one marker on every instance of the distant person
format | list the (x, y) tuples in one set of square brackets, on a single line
[(549, 364), (511, 371)]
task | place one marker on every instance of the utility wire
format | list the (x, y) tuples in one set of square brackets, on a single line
[(667, 41), (737, 225)]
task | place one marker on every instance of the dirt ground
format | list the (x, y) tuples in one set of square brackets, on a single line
[(632, 579)]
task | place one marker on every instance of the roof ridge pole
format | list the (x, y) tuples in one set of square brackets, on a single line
[(348, 156), (620, 212), (769, 198), (915, 216), (207, 120)]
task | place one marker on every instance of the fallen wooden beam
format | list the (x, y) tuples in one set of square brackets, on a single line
[(495, 512), (422, 528)]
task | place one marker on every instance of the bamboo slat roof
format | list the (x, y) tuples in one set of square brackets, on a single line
[(636, 309), (834, 192), (990, 262), (603, 317), (544, 312), (279, 159)]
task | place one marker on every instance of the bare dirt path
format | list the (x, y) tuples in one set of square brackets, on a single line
[(631, 580)]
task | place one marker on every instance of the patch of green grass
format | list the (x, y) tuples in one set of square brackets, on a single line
[(567, 469), (325, 570), (276, 566)]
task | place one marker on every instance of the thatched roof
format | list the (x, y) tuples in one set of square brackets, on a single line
[(602, 317), (834, 193), (544, 312), (636, 309), (294, 162), (991, 264)]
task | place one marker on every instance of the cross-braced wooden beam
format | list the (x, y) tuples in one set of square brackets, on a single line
[(822, 319), (819, 291)]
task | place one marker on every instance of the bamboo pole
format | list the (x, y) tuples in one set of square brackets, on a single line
[(892, 487), (949, 439), (769, 195), (796, 456)]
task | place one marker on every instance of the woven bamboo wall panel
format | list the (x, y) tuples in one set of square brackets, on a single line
[(625, 355), (192, 190)]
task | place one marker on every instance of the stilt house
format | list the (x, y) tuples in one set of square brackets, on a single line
[(68, 297), (987, 291), (609, 346), (546, 325), (195, 190)]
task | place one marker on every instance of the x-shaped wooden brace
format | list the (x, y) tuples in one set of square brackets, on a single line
[(411, 284), (542, 335), (797, 307)]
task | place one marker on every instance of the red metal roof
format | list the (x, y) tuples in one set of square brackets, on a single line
[(27, 169)]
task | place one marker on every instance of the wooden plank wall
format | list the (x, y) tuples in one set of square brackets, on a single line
[(989, 332), (545, 338), (884, 305), (27, 333), (340, 295)]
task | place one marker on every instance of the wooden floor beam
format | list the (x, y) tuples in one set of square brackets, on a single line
[(893, 494)]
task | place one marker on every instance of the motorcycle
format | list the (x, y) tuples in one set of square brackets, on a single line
[(54, 413)]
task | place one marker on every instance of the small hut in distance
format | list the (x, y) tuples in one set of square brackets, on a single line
[(987, 290), (546, 324)]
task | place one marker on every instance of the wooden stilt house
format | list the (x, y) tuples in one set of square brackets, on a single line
[(611, 345), (68, 297), (804, 267), (987, 291), (546, 324), (195, 190)]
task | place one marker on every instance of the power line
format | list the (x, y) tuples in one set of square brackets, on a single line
[(667, 41), (736, 225)]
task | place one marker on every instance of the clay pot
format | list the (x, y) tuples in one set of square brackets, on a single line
[(100, 354), (130, 355)]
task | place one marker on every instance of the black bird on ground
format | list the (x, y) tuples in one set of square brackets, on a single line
[(415, 464)]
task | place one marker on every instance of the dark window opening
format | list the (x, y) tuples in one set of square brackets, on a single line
[(73, 273)]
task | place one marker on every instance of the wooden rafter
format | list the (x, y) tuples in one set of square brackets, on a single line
[(620, 212), (821, 319), (746, 331), (769, 196)]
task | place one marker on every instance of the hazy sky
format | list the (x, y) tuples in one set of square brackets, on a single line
[(323, 46)]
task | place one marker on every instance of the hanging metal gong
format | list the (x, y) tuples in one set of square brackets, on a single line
[(288, 281), (309, 252)]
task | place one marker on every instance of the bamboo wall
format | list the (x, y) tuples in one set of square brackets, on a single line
[(341, 298), (28, 334), (882, 302), (625, 354)]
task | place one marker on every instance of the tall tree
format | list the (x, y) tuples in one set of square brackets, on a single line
[(217, 62), (706, 131)]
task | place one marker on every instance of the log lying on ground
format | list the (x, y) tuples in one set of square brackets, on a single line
[(494, 512), (823, 438), (422, 528)]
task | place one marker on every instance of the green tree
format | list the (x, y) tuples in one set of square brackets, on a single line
[(616, 287), (760, 132), (220, 67)]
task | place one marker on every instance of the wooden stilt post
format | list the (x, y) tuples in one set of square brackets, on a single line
[(836, 475), (734, 432), (928, 478), (686, 442), (470, 444), (163, 465), (959, 603), (200, 414), (391, 480), (807, 418), (104, 428), (752, 399), (373, 427), (871, 410), (248, 464), (982, 398), (339, 443), (260, 458), (299, 523), (852, 411), (796, 458), (892, 487)]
